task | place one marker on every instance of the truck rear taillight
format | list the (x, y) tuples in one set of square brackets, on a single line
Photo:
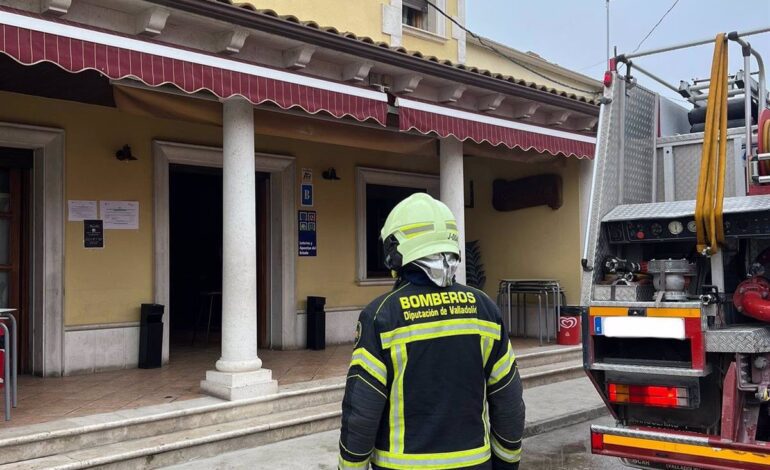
[(597, 441), (649, 395)]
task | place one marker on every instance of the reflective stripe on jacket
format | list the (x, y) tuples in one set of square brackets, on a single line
[(433, 383)]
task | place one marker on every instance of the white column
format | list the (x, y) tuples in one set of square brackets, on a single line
[(239, 372), (453, 189)]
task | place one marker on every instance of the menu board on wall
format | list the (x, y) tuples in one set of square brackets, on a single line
[(93, 234)]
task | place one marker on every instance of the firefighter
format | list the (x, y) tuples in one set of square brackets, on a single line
[(433, 381)]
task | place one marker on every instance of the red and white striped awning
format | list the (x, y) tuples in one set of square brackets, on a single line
[(444, 122), (31, 39)]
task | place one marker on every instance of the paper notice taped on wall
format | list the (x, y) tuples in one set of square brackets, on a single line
[(120, 215), (81, 210)]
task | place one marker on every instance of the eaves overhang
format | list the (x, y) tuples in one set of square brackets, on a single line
[(298, 31)]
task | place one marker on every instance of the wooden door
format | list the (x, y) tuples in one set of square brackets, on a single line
[(14, 242)]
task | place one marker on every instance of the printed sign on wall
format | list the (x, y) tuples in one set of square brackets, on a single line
[(307, 195), (307, 233), (81, 210), (306, 188), (120, 215), (93, 234)]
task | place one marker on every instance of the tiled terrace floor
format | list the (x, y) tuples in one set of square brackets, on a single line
[(49, 399)]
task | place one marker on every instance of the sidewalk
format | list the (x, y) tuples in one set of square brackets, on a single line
[(548, 407)]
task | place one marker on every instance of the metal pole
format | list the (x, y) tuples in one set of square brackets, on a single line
[(654, 77), (608, 31), (692, 44), (15, 357), (747, 114), (762, 102), (746, 48), (594, 172), (6, 372)]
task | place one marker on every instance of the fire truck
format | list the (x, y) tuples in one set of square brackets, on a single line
[(676, 264)]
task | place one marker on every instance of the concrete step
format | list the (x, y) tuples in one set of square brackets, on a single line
[(551, 373), (60, 437), (548, 355), (194, 443), (296, 410), (548, 408)]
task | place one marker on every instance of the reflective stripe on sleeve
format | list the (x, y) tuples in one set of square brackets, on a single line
[(440, 329), (445, 460), (397, 424), (510, 456), (486, 348), (503, 366), (375, 367), (347, 465)]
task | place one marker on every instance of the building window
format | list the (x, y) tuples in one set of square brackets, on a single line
[(378, 191), (414, 13)]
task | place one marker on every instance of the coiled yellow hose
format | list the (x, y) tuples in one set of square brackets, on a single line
[(709, 200)]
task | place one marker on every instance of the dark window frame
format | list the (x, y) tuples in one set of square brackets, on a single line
[(367, 237)]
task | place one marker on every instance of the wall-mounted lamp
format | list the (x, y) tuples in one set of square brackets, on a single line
[(124, 154), (330, 174)]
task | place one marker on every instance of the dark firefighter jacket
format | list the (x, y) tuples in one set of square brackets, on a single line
[(433, 383)]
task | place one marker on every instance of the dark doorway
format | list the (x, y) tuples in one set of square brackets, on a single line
[(195, 229), (15, 243)]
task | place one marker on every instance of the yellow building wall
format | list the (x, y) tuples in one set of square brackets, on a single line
[(533, 243), (485, 59), (362, 17), (332, 273), (107, 285), (429, 45)]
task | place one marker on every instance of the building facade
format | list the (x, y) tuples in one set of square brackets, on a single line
[(245, 153)]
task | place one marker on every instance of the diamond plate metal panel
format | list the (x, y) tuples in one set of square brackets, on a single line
[(739, 339), (660, 189), (667, 436), (652, 370), (610, 303), (695, 137), (639, 146), (605, 190), (621, 293), (670, 210), (687, 160)]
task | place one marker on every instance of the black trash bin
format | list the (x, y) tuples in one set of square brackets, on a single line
[(316, 323), (151, 336)]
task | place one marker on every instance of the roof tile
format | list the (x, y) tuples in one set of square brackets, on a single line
[(402, 50)]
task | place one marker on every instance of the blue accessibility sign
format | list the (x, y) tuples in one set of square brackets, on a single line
[(307, 195)]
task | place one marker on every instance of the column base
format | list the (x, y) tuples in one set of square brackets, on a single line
[(239, 385)]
